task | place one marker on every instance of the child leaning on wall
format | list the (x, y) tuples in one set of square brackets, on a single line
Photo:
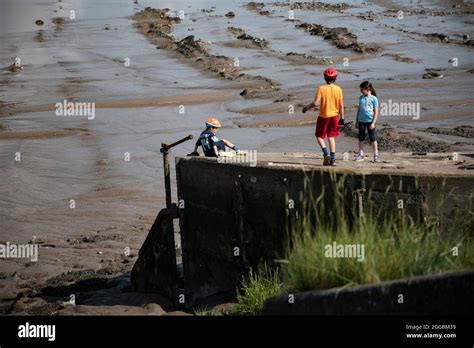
[(366, 119)]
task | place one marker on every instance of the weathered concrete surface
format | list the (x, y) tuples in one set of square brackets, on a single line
[(155, 270), (448, 293), (236, 216)]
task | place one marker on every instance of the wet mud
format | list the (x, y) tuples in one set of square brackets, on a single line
[(259, 102)]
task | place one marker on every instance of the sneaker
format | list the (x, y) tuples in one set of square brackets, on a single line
[(377, 159), (241, 152), (226, 154), (333, 163), (327, 161), (359, 158)]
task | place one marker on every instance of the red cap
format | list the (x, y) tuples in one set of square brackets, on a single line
[(331, 72)]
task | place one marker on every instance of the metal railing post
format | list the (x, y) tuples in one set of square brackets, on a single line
[(166, 150)]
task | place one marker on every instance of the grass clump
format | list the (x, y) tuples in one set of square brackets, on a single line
[(393, 247), (390, 252), (256, 289), (383, 245), (207, 312)]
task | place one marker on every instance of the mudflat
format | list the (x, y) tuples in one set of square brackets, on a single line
[(87, 190)]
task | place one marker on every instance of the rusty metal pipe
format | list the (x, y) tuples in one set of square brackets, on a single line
[(166, 150)]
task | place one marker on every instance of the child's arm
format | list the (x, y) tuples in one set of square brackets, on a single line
[(376, 113), (357, 117), (214, 147), (315, 102), (341, 112), (195, 152), (311, 105), (196, 145)]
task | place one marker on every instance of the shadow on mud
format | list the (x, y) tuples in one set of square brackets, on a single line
[(63, 294)]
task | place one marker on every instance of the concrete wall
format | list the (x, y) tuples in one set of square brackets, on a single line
[(155, 269), (229, 206), (443, 294)]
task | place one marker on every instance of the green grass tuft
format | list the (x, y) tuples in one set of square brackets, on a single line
[(206, 312), (394, 248), (256, 289)]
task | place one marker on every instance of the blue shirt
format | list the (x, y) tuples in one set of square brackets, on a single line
[(207, 140), (367, 105)]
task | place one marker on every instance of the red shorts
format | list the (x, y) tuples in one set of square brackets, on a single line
[(327, 126)]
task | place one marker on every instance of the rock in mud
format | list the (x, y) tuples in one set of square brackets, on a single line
[(244, 93), (191, 48), (370, 16), (236, 31), (259, 93), (398, 57), (39, 22), (458, 39), (432, 74), (314, 5), (259, 42), (255, 6), (461, 39), (429, 12), (390, 140), (440, 37), (315, 59), (464, 131), (242, 35), (14, 68), (59, 23), (98, 238), (230, 14), (340, 37), (367, 48), (287, 98), (155, 14)]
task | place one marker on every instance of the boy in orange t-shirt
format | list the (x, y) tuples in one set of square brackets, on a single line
[(331, 108)]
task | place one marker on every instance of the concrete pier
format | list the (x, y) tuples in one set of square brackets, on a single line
[(236, 215)]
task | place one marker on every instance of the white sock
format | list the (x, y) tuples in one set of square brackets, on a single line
[(376, 153), (361, 153)]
